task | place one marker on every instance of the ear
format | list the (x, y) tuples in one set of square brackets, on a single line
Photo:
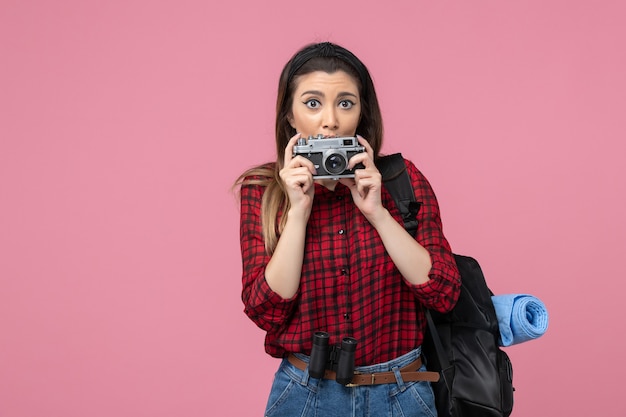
[(290, 120)]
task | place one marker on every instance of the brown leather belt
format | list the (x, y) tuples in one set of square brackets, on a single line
[(409, 373)]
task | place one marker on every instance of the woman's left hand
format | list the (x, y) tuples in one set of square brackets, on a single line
[(367, 182)]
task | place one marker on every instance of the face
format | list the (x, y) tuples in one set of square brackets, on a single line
[(326, 104)]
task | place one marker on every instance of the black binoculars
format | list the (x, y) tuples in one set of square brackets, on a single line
[(336, 358)]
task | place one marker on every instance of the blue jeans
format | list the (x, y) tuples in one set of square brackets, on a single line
[(295, 393)]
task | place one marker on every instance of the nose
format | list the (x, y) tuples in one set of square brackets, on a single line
[(329, 120)]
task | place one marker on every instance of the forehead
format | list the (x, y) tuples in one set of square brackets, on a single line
[(324, 81)]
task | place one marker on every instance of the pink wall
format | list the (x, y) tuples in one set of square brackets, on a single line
[(123, 124)]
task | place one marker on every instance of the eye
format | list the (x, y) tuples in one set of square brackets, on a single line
[(312, 103), (346, 104)]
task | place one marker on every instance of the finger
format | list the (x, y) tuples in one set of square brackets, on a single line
[(289, 148), (366, 145), (300, 161), (290, 174), (371, 173), (361, 158), (362, 188), (297, 175), (302, 182), (367, 181), (299, 181)]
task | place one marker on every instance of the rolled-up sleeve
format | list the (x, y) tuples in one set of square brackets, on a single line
[(441, 292), (264, 307)]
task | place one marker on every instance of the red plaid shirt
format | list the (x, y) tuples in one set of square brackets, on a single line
[(349, 285)]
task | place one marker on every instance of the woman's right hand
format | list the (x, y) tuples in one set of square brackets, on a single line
[(297, 176), (282, 272)]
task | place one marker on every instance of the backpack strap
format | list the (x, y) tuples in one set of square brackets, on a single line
[(447, 371), (397, 182)]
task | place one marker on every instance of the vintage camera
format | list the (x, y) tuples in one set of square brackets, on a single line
[(330, 155)]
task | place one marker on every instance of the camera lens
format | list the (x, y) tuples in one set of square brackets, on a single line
[(335, 163)]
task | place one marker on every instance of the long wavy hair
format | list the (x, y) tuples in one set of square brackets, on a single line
[(329, 58)]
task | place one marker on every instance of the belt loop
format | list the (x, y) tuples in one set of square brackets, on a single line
[(399, 380), (305, 377)]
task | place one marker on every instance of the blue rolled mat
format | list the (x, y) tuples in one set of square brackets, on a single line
[(521, 317)]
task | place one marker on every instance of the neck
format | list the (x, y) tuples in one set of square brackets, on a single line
[(328, 183)]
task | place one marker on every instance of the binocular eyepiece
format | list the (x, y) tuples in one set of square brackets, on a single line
[(337, 358), (319, 355)]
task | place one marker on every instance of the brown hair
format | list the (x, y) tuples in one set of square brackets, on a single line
[(330, 58)]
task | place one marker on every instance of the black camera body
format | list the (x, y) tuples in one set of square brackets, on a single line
[(330, 155)]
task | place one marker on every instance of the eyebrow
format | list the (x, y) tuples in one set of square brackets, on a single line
[(319, 93)]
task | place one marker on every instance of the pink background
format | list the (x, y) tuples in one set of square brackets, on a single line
[(123, 125)]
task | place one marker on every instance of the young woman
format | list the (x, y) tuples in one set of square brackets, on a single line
[(332, 255)]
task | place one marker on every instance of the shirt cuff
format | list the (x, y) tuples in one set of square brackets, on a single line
[(441, 290), (270, 296)]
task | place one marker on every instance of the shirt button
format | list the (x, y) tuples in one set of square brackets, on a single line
[(346, 316), (344, 272), (341, 231)]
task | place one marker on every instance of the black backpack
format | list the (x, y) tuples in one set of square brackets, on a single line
[(462, 345)]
